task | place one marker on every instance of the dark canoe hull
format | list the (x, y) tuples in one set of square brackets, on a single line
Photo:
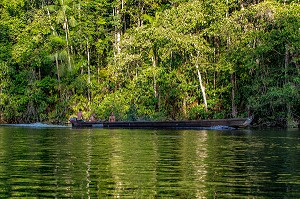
[(190, 124)]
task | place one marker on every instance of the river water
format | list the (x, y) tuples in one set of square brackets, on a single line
[(119, 163)]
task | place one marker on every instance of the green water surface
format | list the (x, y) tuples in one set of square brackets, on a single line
[(119, 163)]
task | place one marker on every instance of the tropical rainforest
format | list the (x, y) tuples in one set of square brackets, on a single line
[(150, 60)]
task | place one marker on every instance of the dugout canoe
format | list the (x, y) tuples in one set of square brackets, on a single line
[(188, 124)]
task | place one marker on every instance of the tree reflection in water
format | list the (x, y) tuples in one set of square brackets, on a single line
[(99, 163)]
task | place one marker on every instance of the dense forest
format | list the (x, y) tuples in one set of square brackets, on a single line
[(150, 59)]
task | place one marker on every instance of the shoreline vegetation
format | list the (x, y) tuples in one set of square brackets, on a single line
[(274, 124), (150, 60)]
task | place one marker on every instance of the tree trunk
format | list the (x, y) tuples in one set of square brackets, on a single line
[(201, 84), (202, 88), (154, 76), (58, 76), (154, 64), (118, 29), (89, 70), (286, 62), (67, 40), (233, 105), (56, 55), (66, 28), (98, 74)]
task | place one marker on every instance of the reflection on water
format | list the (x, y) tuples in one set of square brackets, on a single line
[(103, 163)]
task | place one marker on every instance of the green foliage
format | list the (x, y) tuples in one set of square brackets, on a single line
[(59, 57)]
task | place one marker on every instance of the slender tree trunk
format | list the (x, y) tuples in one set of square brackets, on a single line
[(155, 87), (117, 35), (216, 49), (233, 105), (140, 21), (184, 105), (79, 19), (118, 30), (227, 13), (154, 76), (58, 76), (66, 28), (67, 40), (202, 88), (201, 84), (216, 59), (118, 40), (40, 75), (286, 62), (56, 54), (89, 70), (98, 74)]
